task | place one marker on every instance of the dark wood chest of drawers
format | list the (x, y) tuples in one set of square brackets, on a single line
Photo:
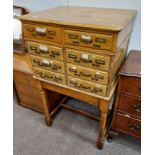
[(127, 107)]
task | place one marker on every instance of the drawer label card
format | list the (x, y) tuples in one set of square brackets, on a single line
[(46, 62), (73, 67), (86, 37), (40, 29), (43, 48), (98, 73), (84, 56)]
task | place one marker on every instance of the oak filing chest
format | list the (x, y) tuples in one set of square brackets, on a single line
[(127, 109), (78, 47)]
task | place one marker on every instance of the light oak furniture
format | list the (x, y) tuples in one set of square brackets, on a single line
[(27, 88), (77, 51), (127, 107)]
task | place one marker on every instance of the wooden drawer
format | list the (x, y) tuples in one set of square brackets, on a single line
[(87, 86), (93, 40), (46, 51), (131, 85), (27, 90), (88, 59), (41, 32), (50, 76), (87, 74), (31, 102), (129, 105), (48, 64), (128, 125), (25, 79)]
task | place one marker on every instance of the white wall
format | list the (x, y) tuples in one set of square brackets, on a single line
[(135, 41)]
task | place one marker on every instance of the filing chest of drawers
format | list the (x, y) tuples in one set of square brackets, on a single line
[(127, 107), (78, 47)]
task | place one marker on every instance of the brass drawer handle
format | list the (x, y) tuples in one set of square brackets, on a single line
[(41, 31), (137, 108), (33, 48), (86, 75), (48, 76), (98, 89), (56, 66), (30, 29), (86, 39), (100, 62), (133, 127), (99, 77), (36, 61), (38, 73), (55, 53), (100, 40), (51, 33), (72, 56), (76, 42), (44, 75), (86, 60), (73, 36), (57, 78), (96, 46), (84, 87)]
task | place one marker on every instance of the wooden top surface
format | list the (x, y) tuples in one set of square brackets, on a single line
[(90, 17), (22, 63), (132, 65)]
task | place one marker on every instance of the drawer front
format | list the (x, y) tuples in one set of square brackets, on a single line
[(42, 32), (48, 64), (87, 59), (87, 74), (87, 86), (27, 90), (127, 124), (47, 51), (131, 85), (130, 105), (31, 102), (93, 40), (25, 79), (50, 76)]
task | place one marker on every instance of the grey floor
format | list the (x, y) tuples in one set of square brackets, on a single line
[(70, 134)]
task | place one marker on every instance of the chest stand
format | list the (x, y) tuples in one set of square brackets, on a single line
[(102, 104)]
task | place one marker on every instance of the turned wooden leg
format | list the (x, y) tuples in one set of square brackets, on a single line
[(48, 117), (104, 110), (110, 135)]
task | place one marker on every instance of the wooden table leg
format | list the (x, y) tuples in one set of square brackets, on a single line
[(48, 117), (104, 110)]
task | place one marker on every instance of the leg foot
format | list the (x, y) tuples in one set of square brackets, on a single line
[(100, 145), (110, 136), (48, 122)]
